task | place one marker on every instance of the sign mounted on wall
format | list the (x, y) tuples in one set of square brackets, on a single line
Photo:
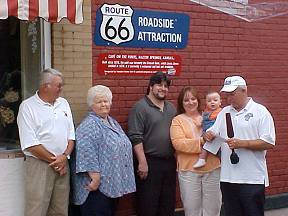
[(118, 25), (138, 64)]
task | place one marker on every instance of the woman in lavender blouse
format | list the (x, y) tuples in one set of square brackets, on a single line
[(102, 167)]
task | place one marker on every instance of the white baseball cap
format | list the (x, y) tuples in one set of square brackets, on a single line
[(231, 83)]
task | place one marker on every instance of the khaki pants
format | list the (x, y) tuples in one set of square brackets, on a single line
[(46, 193), (200, 193)]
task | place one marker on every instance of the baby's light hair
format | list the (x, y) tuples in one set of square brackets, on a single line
[(212, 92)]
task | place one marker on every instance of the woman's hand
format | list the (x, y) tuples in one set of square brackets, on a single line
[(202, 140), (208, 136), (95, 181), (93, 185)]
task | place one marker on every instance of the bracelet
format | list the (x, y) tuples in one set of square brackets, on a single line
[(66, 155)]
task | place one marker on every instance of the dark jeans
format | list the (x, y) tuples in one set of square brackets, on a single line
[(155, 196), (243, 199), (97, 204)]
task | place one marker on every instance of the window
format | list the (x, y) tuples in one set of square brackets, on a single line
[(10, 80), (22, 50)]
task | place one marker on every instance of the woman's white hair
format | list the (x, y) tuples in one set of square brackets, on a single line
[(96, 91), (47, 74)]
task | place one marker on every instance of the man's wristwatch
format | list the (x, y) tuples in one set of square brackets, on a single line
[(66, 155)]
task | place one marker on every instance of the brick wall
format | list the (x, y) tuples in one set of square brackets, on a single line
[(219, 45), (72, 55)]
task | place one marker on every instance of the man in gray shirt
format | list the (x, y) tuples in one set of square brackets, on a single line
[(149, 131)]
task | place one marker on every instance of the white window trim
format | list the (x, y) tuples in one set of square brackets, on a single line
[(46, 44)]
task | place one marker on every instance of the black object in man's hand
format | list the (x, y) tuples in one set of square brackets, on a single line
[(234, 158)]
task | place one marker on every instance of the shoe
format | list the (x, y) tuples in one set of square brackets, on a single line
[(199, 163)]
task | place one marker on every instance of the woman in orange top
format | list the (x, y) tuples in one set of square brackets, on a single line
[(199, 188)]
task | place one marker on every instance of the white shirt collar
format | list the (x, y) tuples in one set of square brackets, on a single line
[(245, 109), (39, 100)]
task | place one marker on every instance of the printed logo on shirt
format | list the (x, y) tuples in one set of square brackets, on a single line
[(248, 116)]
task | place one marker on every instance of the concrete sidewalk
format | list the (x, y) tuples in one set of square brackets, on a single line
[(277, 212)]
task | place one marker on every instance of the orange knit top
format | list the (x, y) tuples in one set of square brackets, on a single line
[(185, 134)]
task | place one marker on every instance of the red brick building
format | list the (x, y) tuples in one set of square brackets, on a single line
[(252, 42), (219, 45)]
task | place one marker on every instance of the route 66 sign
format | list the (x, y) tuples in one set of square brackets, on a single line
[(116, 24), (124, 26)]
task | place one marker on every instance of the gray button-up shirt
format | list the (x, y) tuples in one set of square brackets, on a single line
[(149, 125)]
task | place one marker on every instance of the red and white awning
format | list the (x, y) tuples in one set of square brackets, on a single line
[(50, 10)]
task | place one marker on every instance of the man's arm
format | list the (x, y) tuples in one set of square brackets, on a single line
[(136, 121), (60, 161), (40, 152), (142, 162), (257, 145), (69, 148), (266, 131)]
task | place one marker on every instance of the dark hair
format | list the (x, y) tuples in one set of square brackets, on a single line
[(158, 78), (181, 96)]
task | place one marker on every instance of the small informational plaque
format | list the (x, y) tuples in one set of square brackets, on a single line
[(138, 64)]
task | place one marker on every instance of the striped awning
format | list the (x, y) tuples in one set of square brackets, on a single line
[(50, 10)]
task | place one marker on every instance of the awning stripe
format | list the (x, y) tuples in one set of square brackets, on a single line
[(43, 9), (23, 9), (79, 11), (62, 9), (53, 10), (50, 10), (71, 10), (3, 9), (13, 8), (33, 9)]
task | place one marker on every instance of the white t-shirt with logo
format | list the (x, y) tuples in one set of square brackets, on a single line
[(42, 123), (251, 123)]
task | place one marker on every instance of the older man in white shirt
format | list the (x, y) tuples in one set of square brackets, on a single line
[(243, 182), (47, 138)]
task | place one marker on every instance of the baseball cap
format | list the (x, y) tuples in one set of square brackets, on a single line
[(231, 83)]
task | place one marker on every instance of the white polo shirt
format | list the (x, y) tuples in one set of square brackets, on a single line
[(251, 123), (42, 123)]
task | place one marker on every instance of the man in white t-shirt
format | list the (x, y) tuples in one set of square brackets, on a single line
[(243, 183), (47, 139)]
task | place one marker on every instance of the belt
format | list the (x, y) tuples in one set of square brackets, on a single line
[(11, 155)]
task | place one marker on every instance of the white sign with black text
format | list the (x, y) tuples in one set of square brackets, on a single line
[(117, 25)]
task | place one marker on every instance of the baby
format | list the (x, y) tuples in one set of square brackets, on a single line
[(213, 103)]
